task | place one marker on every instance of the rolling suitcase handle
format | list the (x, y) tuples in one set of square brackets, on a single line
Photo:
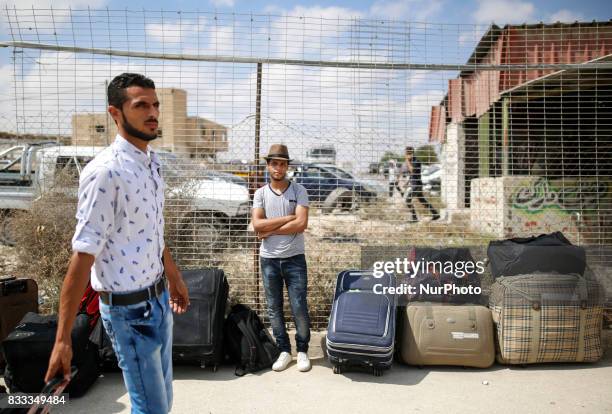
[(53, 388)]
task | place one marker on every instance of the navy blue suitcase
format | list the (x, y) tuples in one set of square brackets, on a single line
[(361, 328)]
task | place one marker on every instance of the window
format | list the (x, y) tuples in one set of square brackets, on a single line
[(10, 160), (327, 174), (312, 172), (100, 128)]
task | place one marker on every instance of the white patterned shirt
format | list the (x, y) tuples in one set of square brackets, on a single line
[(120, 217)]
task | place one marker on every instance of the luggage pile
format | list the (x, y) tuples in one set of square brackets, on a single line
[(544, 306), (205, 335), (27, 339)]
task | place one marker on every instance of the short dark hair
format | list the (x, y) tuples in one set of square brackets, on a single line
[(409, 150), (116, 88)]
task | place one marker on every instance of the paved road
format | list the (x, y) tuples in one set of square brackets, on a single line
[(567, 388)]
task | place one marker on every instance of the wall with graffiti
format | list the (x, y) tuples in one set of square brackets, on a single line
[(520, 206)]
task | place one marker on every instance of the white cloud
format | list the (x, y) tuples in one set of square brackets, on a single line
[(414, 10), (173, 32), (504, 11), (57, 4), (222, 3), (565, 16), (307, 32), (363, 112), (47, 21), (324, 12)]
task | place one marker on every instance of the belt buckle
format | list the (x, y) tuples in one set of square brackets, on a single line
[(110, 298)]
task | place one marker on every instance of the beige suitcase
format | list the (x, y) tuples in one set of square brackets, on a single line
[(437, 334), (547, 317)]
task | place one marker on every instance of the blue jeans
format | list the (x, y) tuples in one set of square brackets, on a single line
[(141, 335), (292, 270)]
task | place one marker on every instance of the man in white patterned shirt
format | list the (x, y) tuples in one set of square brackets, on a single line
[(119, 237)]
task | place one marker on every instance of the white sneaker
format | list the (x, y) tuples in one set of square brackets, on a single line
[(303, 363), (282, 362)]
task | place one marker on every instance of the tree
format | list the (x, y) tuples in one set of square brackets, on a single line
[(427, 154), (391, 155)]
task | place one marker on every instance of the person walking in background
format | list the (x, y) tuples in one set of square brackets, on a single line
[(412, 169), (280, 216), (119, 238), (393, 178)]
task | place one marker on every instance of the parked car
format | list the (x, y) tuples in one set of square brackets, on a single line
[(216, 203), (332, 187), (431, 176), (322, 154), (374, 168)]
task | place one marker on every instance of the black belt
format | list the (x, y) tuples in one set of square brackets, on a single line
[(123, 299)]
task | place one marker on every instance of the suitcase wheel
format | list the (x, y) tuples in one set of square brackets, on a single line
[(337, 369)]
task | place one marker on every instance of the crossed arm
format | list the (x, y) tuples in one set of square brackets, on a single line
[(291, 224)]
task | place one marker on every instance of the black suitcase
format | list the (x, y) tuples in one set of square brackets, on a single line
[(544, 253), (17, 297), (435, 275), (198, 333), (28, 349)]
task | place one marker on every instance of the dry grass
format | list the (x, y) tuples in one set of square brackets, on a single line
[(324, 260), (43, 240), (333, 243)]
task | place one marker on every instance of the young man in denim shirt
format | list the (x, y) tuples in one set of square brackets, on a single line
[(280, 216)]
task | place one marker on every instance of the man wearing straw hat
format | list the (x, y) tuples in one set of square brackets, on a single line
[(280, 216)]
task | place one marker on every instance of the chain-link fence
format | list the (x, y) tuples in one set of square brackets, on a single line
[(511, 125)]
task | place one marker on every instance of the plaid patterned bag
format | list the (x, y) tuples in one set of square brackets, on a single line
[(547, 317)]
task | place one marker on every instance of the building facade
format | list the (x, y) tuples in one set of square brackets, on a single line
[(192, 136), (526, 152)]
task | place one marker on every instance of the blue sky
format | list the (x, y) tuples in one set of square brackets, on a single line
[(389, 108), (441, 11)]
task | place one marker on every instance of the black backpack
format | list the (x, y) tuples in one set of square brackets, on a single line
[(247, 341)]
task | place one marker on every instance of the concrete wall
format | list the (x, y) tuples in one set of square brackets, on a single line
[(172, 119), (530, 205), (97, 129), (453, 168), (204, 137)]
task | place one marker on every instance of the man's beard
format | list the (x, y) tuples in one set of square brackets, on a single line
[(278, 179), (129, 128)]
